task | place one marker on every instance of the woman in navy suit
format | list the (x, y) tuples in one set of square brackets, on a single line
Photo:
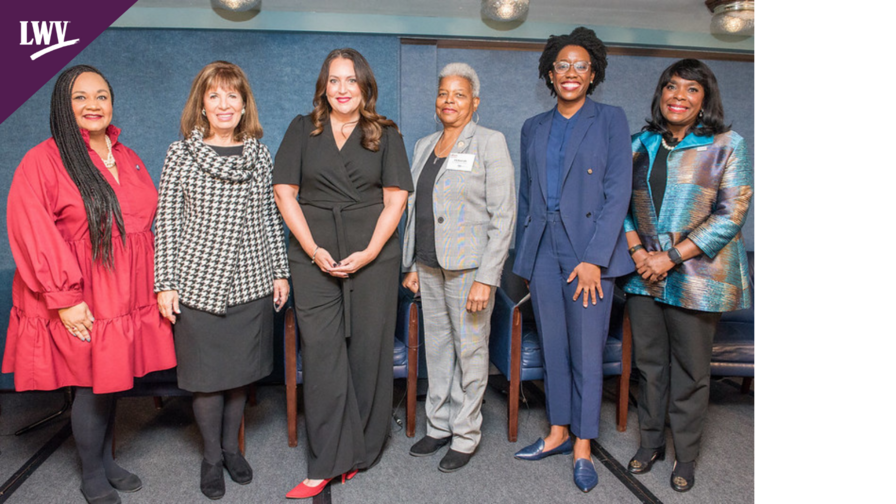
[(575, 186)]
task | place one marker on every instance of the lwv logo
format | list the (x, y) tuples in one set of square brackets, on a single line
[(42, 34)]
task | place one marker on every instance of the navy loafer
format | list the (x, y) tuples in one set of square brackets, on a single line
[(584, 474), (535, 451)]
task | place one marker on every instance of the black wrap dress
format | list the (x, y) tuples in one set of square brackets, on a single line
[(347, 326)]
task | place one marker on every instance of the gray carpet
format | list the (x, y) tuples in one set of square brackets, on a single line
[(163, 447)]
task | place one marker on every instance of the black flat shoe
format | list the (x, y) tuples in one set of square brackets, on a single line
[(211, 481), (454, 460), (682, 478), (644, 459), (239, 469), (129, 483), (107, 498), (428, 446)]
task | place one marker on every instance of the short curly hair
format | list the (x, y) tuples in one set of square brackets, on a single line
[(582, 37), (461, 70)]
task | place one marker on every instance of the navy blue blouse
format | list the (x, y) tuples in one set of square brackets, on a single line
[(561, 130)]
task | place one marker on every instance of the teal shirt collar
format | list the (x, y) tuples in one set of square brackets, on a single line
[(652, 140)]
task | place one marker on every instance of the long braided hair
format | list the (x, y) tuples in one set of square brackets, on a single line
[(100, 201)]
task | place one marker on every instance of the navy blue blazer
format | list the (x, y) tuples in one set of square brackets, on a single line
[(594, 193)]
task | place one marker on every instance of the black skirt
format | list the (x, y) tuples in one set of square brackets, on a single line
[(221, 352)]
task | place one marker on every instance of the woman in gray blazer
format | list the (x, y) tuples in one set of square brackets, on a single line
[(460, 221)]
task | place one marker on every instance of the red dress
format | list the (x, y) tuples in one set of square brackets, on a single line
[(50, 242)]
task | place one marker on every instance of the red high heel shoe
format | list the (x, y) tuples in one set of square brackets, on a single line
[(303, 491)]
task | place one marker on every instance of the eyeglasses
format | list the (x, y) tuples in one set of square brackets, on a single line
[(581, 67)]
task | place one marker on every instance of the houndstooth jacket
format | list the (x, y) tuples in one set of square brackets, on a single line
[(219, 240)]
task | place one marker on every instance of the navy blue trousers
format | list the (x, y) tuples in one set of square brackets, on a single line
[(572, 336)]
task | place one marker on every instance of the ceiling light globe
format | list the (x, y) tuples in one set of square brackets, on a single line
[(505, 10), (236, 5)]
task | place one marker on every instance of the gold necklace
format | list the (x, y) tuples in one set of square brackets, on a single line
[(437, 149)]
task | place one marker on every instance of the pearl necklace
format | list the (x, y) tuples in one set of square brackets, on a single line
[(110, 159), (667, 146)]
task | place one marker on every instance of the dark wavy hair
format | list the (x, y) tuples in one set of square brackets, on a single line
[(582, 37), (371, 123), (713, 120), (100, 202)]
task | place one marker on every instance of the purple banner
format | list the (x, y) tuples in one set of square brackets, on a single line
[(38, 38)]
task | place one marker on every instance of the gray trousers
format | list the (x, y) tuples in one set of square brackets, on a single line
[(456, 356), (672, 351)]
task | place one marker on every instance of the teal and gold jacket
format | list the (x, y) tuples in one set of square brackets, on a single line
[(709, 186)]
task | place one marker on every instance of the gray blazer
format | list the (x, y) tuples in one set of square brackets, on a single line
[(477, 208)]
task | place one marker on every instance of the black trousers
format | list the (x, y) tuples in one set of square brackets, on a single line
[(672, 351), (347, 380)]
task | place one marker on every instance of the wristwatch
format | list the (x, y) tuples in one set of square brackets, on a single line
[(675, 256)]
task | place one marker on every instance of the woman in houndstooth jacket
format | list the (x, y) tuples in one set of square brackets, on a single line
[(220, 254)]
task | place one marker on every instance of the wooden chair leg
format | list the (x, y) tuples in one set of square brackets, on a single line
[(513, 393), (242, 435), (746, 385), (513, 408), (413, 345), (625, 377), (289, 349), (622, 403), (292, 414)]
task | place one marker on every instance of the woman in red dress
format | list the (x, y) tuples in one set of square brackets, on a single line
[(84, 314)]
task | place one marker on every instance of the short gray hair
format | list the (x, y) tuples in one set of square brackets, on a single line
[(461, 70)]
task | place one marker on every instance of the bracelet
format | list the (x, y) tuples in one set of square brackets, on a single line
[(315, 253), (636, 248)]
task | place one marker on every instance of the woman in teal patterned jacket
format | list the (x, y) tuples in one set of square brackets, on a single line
[(691, 189)]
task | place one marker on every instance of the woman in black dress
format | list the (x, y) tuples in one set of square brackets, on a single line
[(220, 262), (349, 167)]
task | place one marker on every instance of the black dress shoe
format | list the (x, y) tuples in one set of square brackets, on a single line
[(239, 469), (643, 460), (428, 446), (211, 481), (682, 478), (454, 460), (129, 483)]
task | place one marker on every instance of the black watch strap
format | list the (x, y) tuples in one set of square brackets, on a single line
[(675, 256)]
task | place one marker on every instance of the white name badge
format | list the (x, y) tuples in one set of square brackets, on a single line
[(462, 162)]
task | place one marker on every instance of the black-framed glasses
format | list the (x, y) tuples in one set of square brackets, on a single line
[(579, 66)]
